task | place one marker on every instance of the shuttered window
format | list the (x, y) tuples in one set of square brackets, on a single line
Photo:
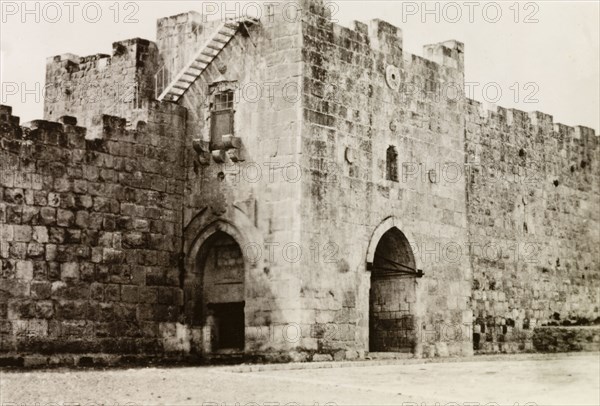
[(221, 118)]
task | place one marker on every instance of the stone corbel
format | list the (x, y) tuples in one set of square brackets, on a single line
[(202, 150), (230, 146), (229, 141), (234, 154), (219, 155)]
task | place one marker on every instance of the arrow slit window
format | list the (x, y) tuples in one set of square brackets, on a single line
[(391, 164)]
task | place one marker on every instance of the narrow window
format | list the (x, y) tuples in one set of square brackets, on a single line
[(221, 118), (391, 164)]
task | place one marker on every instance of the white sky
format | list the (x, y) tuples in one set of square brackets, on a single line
[(556, 57)]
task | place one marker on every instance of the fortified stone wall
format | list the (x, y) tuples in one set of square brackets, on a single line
[(85, 87), (120, 237), (251, 188), (533, 215), (91, 235), (354, 110)]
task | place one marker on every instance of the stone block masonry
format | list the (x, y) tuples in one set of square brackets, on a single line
[(132, 227), (566, 339), (354, 115), (91, 234), (533, 215), (121, 84)]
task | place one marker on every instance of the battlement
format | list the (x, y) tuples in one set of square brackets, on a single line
[(382, 36), (62, 133), (448, 53), (494, 115), (119, 84), (190, 17), (134, 49), (164, 130)]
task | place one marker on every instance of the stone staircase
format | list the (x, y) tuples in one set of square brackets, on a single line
[(172, 88)]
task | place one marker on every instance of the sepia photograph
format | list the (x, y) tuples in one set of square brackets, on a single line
[(299, 202)]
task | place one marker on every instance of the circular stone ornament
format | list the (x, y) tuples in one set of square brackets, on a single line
[(392, 77)]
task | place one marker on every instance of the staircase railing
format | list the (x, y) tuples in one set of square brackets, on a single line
[(163, 77)]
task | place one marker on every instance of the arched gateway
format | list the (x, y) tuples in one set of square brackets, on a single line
[(220, 266), (216, 278), (392, 294)]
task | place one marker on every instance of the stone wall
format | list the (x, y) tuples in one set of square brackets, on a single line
[(91, 235), (85, 87), (354, 109), (566, 339), (533, 199), (334, 171), (250, 191)]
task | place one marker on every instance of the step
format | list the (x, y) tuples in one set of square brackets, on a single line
[(389, 355), (227, 32), (222, 40), (217, 47), (208, 52)]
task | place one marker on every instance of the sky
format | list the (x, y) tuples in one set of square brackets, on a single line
[(528, 55)]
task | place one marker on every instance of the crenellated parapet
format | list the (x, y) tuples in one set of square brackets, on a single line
[(538, 123), (529, 148), (384, 36), (134, 52), (163, 133), (448, 53), (121, 83)]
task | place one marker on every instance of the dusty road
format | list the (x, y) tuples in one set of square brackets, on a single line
[(552, 380)]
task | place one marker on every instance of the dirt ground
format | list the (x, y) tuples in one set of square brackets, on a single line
[(506, 380)]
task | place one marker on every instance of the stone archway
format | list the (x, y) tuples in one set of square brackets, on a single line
[(203, 233), (221, 270), (393, 309)]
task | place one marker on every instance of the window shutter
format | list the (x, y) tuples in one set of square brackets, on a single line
[(221, 124)]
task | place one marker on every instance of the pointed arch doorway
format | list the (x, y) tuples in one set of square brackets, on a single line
[(392, 294), (220, 264)]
